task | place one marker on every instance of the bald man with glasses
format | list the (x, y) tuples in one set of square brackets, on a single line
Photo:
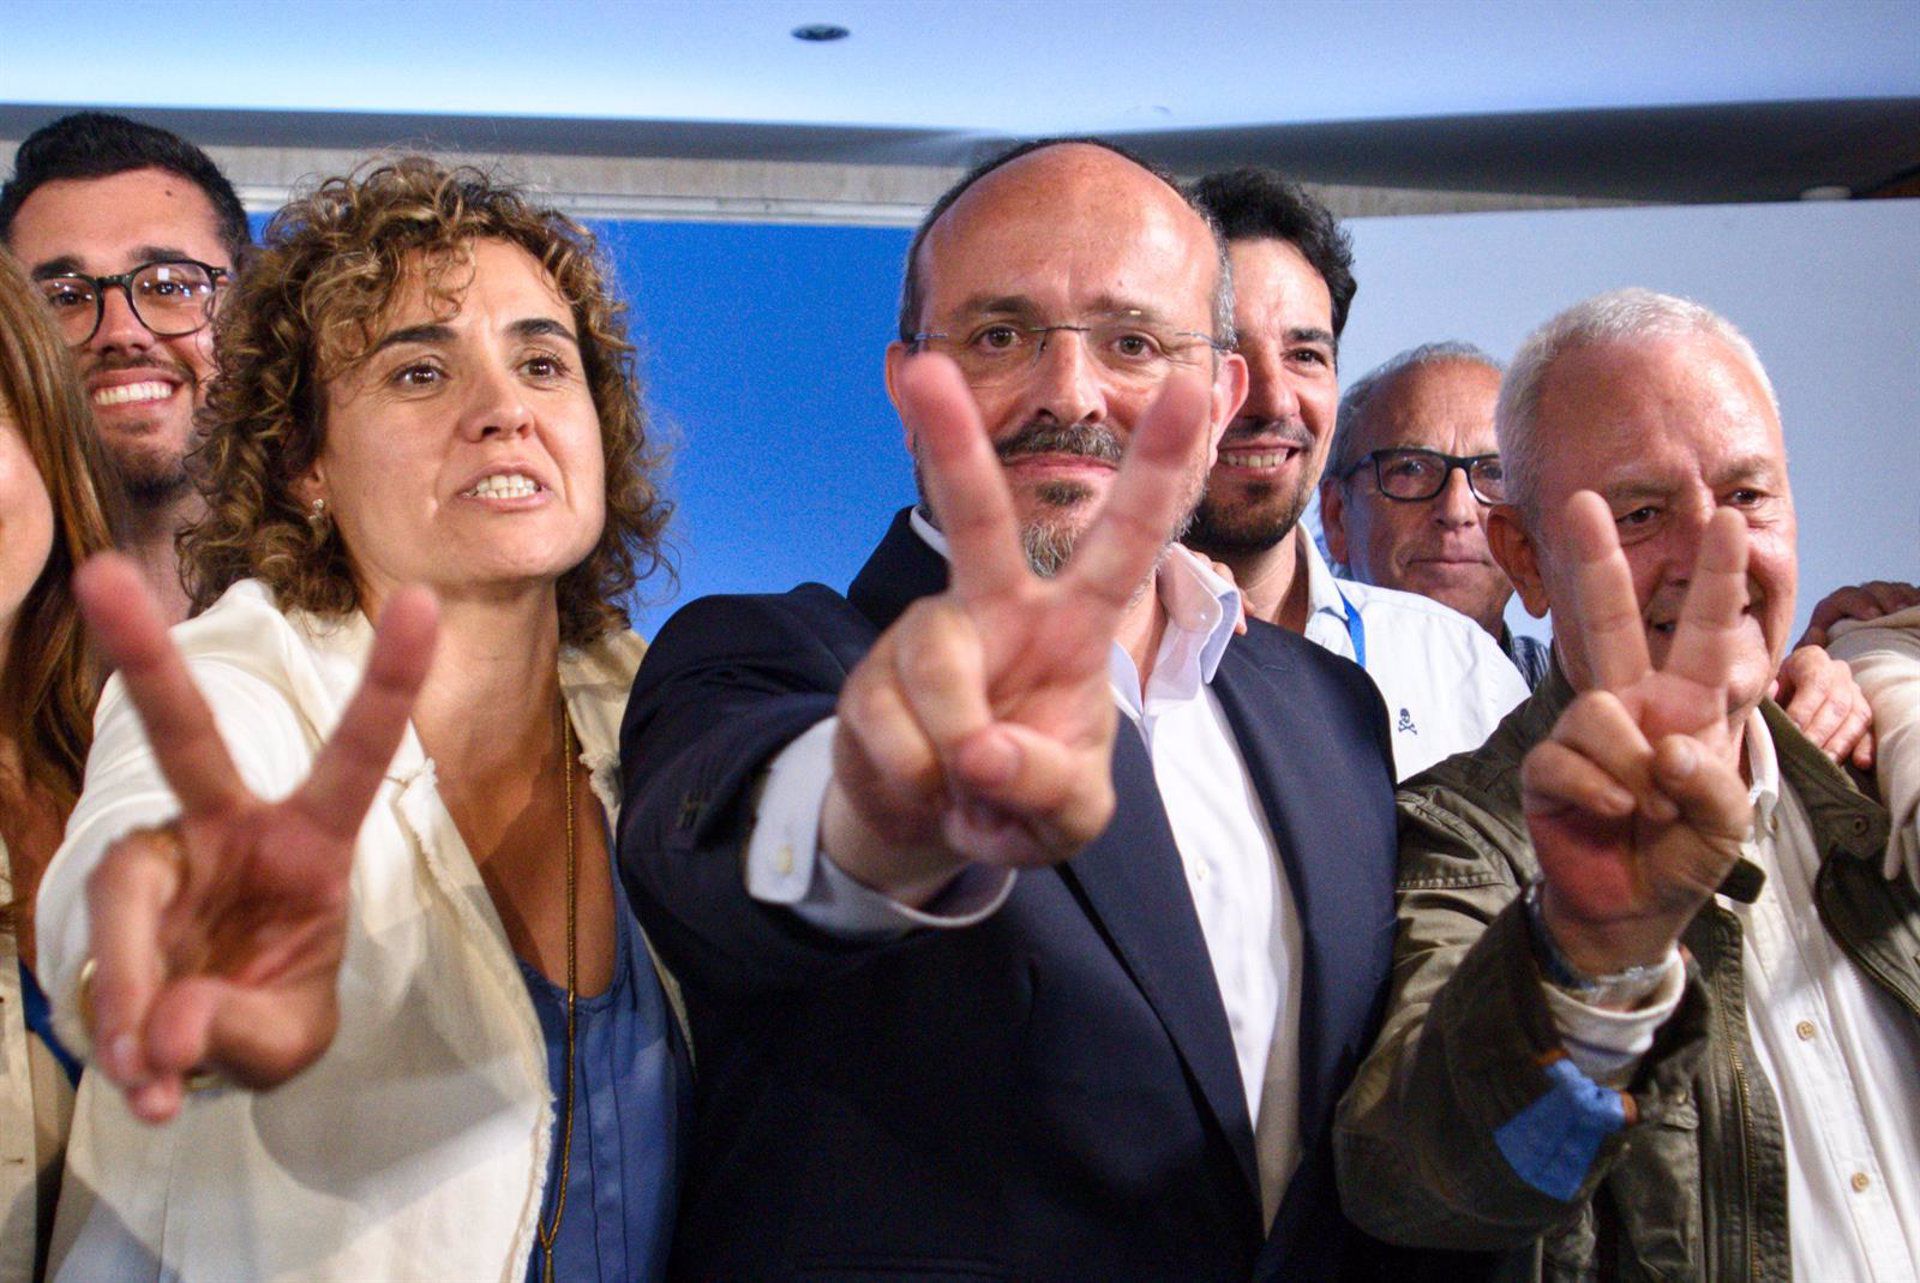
[(132, 234), (1029, 916), (1411, 475)]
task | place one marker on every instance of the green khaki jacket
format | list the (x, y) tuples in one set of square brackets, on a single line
[(1682, 1176)]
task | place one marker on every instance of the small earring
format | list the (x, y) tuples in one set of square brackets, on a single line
[(317, 516)]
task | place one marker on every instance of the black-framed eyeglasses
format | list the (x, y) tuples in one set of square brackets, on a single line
[(171, 297), (1412, 475)]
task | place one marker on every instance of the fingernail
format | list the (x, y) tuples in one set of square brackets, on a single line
[(1683, 760), (149, 1102), (122, 1058)]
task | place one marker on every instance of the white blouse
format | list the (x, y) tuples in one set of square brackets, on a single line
[(416, 1147)]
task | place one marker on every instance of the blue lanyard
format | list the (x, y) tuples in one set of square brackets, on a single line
[(1356, 628), (40, 1021)]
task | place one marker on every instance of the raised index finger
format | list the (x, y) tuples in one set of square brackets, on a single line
[(1606, 614), (354, 759), (1703, 639), (963, 477), (1152, 492), (126, 620)]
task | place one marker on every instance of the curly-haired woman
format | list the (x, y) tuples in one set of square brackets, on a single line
[(476, 1071)]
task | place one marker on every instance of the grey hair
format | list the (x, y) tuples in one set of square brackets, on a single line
[(1358, 401), (1620, 316)]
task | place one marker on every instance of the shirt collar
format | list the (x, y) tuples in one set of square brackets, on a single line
[(1323, 591), (1201, 605), (1203, 610), (1763, 766), (929, 532)]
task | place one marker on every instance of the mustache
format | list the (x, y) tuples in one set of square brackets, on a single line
[(1087, 440), (141, 361), (1291, 432)]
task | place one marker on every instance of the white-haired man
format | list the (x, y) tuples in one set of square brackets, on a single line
[(1654, 1000), (1412, 475)]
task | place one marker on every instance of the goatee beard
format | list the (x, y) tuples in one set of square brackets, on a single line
[(1048, 543)]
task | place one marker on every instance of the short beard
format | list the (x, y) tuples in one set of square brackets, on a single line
[(1220, 531), (149, 483)]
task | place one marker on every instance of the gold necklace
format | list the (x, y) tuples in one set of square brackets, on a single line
[(549, 1233)]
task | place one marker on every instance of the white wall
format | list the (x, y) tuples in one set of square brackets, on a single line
[(1829, 293)]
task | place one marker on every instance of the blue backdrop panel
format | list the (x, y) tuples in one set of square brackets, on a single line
[(762, 348)]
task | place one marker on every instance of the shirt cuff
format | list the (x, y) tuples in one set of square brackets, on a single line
[(785, 865), (1605, 1044)]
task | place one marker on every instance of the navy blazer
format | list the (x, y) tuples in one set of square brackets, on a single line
[(1050, 1094)]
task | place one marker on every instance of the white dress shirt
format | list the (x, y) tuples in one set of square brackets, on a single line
[(1446, 682), (1246, 911), (1839, 1053)]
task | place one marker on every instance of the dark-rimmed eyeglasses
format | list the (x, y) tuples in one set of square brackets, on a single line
[(171, 297), (1412, 475)]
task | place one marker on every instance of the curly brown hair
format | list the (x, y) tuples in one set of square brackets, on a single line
[(304, 313)]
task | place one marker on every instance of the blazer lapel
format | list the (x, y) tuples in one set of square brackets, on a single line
[(901, 571), (1292, 762), (1131, 883)]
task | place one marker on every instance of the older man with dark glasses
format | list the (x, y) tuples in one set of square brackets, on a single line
[(1413, 472), (131, 233)]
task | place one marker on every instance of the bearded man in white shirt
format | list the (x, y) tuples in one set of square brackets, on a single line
[(1656, 1003), (1445, 681), (134, 235)]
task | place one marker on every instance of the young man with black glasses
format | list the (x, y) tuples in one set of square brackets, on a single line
[(132, 233)]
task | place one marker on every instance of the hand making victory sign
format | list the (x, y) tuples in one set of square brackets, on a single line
[(217, 939), (1635, 803), (980, 726)]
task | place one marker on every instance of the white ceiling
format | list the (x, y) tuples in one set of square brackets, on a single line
[(1002, 66)]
